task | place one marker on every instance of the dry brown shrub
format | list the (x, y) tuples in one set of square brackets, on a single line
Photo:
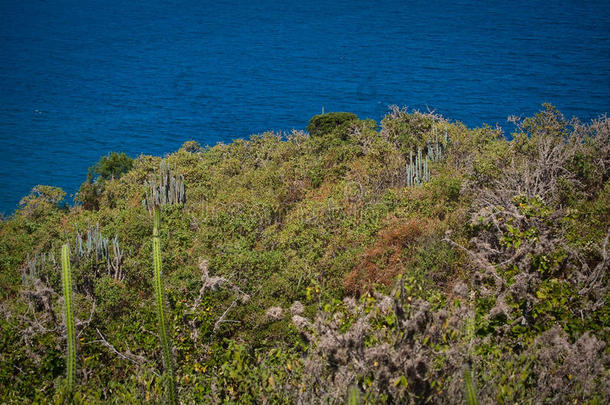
[(322, 193), (384, 260)]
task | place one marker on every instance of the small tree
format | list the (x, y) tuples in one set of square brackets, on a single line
[(41, 201), (109, 167)]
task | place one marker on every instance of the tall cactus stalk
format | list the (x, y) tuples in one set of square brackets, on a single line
[(470, 392), (168, 191), (66, 276), (168, 365), (353, 396)]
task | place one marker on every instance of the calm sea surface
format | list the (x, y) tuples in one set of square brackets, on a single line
[(79, 79)]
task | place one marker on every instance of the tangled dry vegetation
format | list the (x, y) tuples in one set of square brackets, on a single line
[(394, 348)]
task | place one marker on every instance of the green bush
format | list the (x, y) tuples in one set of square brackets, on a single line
[(112, 166), (42, 201), (331, 123), (109, 167)]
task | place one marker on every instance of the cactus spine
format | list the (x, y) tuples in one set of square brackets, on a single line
[(66, 276), (163, 332)]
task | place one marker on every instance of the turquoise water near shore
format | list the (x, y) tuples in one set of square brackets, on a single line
[(81, 79)]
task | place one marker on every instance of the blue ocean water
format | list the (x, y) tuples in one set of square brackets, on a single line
[(79, 79)]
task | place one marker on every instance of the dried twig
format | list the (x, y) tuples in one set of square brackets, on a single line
[(224, 315)]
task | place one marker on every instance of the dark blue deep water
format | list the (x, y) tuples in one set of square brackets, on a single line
[(81, 78)]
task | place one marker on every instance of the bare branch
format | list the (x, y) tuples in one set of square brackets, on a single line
[(224, 315)]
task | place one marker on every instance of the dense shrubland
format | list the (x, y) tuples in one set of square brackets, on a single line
[(313, 267)]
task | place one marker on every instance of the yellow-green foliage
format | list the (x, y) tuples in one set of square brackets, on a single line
[(282, 218)]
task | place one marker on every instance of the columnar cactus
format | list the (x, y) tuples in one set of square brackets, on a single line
[(90, 245), (417, 171), (470, 392), (36, 264), (353, 396), (101, 249), (66, 277), (435, 149), (168, 365), (169, 191)]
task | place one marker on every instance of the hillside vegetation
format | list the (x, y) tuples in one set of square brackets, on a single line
[(410, 261)]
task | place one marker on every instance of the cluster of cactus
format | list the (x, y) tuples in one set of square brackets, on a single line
[(96, 247), (418, 170), (90, 245), (435, 147), (36, 264), (168, 191)]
